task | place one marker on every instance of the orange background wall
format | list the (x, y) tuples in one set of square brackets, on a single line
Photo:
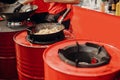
[(97, 26)]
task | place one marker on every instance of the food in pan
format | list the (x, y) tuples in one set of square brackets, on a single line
[(47, 31)]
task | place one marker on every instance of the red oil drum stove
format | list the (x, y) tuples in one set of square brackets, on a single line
[(81, 60), (8, 68), (10, 24), (29, 56)]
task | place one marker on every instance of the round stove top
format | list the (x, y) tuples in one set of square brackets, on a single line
[(52, 59), (21, 39)]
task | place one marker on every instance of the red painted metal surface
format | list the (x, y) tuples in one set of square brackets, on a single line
[(56, 69), (8, 69), (29, 58), (97, 26), (7, 56)]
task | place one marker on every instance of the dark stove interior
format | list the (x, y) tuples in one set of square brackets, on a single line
[(84, 55)]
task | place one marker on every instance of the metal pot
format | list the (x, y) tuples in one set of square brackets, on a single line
[(25, 12)]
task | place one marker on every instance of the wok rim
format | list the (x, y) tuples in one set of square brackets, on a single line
[(62, 28)]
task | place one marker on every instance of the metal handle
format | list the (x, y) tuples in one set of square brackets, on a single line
[(64, 15), (31, 8)]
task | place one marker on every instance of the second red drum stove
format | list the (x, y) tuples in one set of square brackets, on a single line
[(29, 57), (81, 60)]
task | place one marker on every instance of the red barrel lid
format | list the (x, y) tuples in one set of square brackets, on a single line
[(52, 59), (21, 39)]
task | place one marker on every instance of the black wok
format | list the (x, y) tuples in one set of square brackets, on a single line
[(25, 12), (50, 32)]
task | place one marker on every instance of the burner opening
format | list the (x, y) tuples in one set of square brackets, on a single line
[(84, 55)]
